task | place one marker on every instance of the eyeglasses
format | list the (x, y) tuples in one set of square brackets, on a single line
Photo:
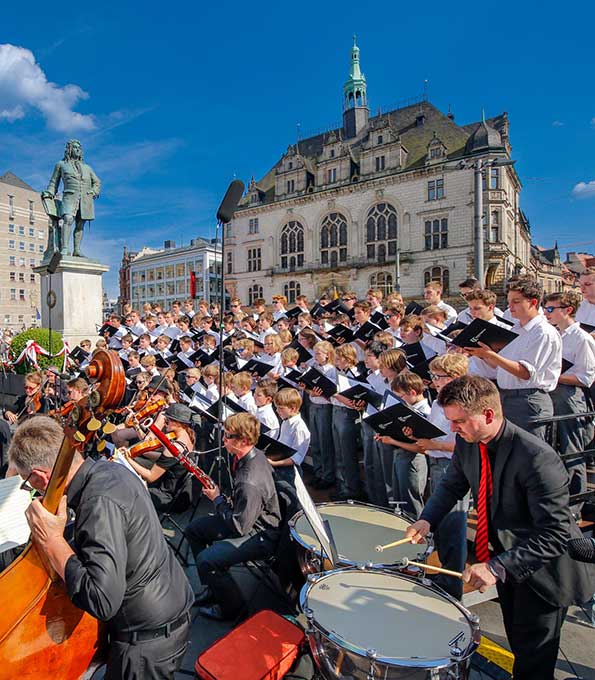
[(25, 486), (437, 376), (550, 309), (228, 435)]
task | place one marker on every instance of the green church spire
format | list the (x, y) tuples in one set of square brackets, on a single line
[(355, 87)]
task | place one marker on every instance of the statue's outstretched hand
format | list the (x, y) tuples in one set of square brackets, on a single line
[(47, 194)]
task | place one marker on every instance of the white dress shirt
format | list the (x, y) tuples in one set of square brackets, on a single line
[(438, 419), (538, 348), (247, 401), (578, 347), (451, 312), (295, 433), (267, 416), (586, 313)]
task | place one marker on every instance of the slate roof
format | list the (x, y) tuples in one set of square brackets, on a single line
[(10, 178), (459, 140)]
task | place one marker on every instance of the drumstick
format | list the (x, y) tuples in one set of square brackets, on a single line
[(405, 563), (394, 544)]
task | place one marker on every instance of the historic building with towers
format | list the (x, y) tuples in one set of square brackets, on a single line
[(384, 201)]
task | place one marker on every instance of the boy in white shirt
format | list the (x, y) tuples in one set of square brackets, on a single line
[(410, 468), (433, 295), (241, 384), (294, 432), (263, 397), (578, 347), (210, 374)]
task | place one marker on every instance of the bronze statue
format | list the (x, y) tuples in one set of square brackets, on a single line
[(80, 187)]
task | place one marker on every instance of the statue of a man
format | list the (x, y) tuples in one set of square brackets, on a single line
[(80, 187)]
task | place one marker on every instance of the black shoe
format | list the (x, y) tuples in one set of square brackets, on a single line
[(212, 612), (204, 596)]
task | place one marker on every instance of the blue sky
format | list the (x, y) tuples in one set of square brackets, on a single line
[(171, 101)]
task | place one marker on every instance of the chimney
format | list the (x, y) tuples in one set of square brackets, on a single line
[(169, 244)]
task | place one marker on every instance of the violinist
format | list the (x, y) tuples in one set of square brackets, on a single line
[(119, 569), (77, 389), (30, 403), (164, 476), (156, 390)]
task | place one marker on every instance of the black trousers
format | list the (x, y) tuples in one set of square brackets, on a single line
[(533, 630), (150, 659), (215, 551)]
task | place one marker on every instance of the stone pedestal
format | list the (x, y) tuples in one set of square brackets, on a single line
[(78, 291)]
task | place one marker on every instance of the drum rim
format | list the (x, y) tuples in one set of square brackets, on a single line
[(443, 662), (293, 532)]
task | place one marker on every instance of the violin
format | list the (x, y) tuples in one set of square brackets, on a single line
[(150, 409), (151, 444), (32, 405), (63, 411)]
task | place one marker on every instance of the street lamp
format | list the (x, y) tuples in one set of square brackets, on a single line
[(479, 166)]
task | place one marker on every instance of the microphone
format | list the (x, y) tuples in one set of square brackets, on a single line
[(230, 201), (582, 549)]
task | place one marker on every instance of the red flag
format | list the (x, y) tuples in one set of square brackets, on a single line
[(192, 285)]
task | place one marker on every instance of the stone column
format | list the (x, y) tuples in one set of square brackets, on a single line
[(78, 291)]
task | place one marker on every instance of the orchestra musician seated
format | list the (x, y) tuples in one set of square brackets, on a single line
[(119, 568), (244, 527), (29, 403), (164, 475)]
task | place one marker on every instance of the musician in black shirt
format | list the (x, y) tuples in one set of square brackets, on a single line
[(120, 569), (244, 527)]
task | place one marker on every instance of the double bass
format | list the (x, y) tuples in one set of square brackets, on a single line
[(42, 633)]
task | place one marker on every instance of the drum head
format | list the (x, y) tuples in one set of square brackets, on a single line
[(357, 530), (403, 620)]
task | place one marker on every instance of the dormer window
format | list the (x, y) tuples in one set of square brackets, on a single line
[(436, 152), (290, 165), (332, 153), (380, 139)]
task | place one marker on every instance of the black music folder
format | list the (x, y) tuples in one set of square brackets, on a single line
[(363, 392), (566, 365), (304, 355), (366, 332), (422, 369), (413, 308), (587, 327), (254, 366), (393, 419), (107, 329), (379, 319), (496, 337), (415, 353), (314, 378), (205, 358), (273, 449), (79, 354), (454, 326), (340, 331), (293, 313)]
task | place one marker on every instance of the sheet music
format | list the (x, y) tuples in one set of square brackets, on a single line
[(316, 522), (14, 530)]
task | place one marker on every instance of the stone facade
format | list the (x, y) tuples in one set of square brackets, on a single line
[(336, 212), (23, 240)]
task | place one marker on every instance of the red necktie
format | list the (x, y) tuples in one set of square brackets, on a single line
[(483, 505)]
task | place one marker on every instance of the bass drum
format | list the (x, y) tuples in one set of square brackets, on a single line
[(357, 529), (379, 625)]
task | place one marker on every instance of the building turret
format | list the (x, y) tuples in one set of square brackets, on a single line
[(355, 99)]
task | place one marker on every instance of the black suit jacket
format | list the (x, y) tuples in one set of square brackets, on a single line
[(529, 512)]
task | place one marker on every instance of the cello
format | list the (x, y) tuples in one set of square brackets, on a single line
[(42, 633)]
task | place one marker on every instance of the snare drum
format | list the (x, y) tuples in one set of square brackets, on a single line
[(357, 529), (374, 624)]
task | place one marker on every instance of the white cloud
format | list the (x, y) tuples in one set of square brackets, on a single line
[(24, 85), (593, 122), (584, 190), (557, 123)]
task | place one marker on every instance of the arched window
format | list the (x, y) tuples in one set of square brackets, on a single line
[(292, 245), (381, 232), (333, 239), (254, 292), (439, 274), (383, 281), (291, 290)]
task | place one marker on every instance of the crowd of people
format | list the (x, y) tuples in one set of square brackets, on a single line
[(474, 388)]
